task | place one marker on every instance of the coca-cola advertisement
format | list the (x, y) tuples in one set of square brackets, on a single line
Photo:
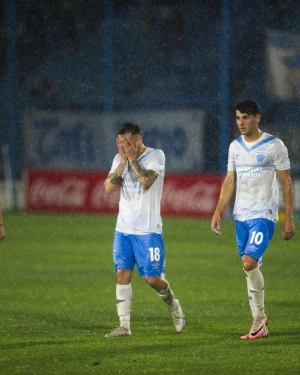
[(83, 192), (190, 195)]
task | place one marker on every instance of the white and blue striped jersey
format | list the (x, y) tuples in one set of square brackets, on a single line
[(139, 209), (255, 163)]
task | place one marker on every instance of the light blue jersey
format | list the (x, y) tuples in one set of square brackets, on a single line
[(138, 239), (139, 209), (257, 188)]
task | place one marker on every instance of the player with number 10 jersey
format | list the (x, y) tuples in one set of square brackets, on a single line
[(257, 195), (256, 161)]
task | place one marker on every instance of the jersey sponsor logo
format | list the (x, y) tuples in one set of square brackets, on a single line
[(237, 156), (260, 158), (132, 186), (249, 172)]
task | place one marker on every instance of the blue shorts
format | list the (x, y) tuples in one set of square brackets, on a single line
[(146, 251), (253, 236)]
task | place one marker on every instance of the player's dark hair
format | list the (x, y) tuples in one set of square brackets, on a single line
[(251, 107), (129, 127)]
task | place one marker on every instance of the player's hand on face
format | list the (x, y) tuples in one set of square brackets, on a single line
[(120, 147), (129, 148)]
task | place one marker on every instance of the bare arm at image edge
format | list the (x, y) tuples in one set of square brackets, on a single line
[(225, 195), (288, 229), (1, 222)]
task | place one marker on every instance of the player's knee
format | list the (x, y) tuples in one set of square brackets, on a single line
[(123, 276), (249, 263), (249, 266), (151, 281), (154, 282), (246, 267)]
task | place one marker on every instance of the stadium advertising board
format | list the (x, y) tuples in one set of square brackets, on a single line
[(83, 192), (86, 141)]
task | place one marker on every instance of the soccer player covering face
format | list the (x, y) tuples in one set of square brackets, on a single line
[(138, 236), (256, 161)]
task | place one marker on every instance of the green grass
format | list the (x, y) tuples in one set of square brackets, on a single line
[(57, 300)]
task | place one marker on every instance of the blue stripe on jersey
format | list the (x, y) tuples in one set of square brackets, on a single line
[(241, 142), (147, 153)]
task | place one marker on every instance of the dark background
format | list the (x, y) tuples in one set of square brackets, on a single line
[(163, 54)]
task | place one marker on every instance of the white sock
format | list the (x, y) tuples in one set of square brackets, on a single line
[(250, 297), (255, 282), (166, 294), (124, 297)]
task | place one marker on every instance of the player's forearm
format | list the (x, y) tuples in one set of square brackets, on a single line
[(145, 177), (225, 196), (137, 170), (114, 179), (287, 192), (220, 206)]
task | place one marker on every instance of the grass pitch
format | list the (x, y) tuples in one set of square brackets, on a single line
[(57, 301)]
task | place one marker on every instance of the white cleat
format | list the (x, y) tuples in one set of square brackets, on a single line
[(119, 332), (258, 329), (177, 316)]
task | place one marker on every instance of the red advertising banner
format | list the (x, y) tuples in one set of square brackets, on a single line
[(190, 195), (83, 192)]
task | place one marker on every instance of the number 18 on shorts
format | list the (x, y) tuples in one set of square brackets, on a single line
[(146, 251)]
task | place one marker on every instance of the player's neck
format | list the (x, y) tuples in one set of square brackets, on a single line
[(253, 136), (141, 150)]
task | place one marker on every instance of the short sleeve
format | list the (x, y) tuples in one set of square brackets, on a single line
[(281, 157), (231, 162), (156, 161), (115, 163)]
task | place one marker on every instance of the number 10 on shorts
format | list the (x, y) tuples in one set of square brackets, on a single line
[(257, 237), (154, 254)]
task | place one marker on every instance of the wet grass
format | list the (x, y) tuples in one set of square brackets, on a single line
[(57, 300)]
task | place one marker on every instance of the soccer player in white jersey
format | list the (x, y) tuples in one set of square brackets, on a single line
[(256, 161), (138, 238)]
